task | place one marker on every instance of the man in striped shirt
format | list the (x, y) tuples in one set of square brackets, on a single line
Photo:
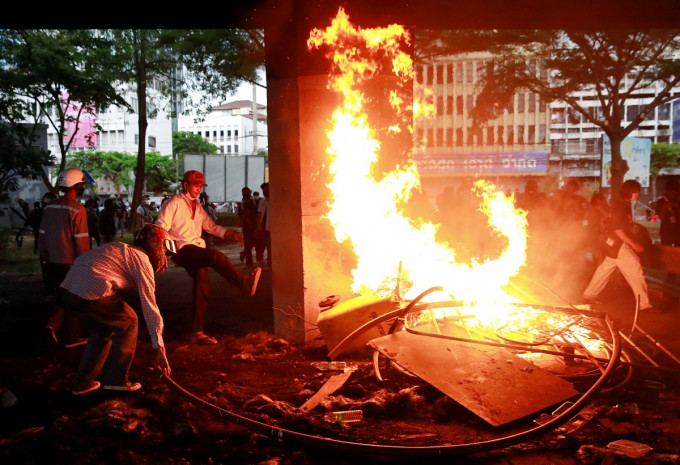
[(63, 236), (90, 290)]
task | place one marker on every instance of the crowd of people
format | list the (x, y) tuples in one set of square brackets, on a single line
[(84, 282)]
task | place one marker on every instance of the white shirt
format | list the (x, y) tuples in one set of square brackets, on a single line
[(185, 223)]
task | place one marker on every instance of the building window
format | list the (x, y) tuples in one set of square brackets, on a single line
[(449, 73), (459, 105), (520, 102), (121, 136), (489, 136), (440, 74), (470, 103), (236, 134), (468, 72), (430, 74), (439, 108), (222, 134), (430, 137), (235, 149), (207, 134), (520, 134), (541, 103), (459, 73), (449, 137), (151, 141), (440, 137), (214, 134), (511, 136), (470, 137), (511, 107), (541, 133), (136, 138), (499, 133), (449, 105), (229, 149), (532, 103), (419, 74), (531, 136), (228, 132), (664, 111), (459, 137)]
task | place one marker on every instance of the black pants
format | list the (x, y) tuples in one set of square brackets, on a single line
[(196, 260)]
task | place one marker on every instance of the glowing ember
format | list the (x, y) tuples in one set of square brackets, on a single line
[(383, 238)]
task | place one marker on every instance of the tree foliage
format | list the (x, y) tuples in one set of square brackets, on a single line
[(119, 167), (616, 65), (54, 77)]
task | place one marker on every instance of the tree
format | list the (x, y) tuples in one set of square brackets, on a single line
[(214, 59), (55, 77), (617, 65), (662, 156)]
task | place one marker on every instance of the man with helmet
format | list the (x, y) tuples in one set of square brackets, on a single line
[(184, 218), (64, 236), (90, 290)]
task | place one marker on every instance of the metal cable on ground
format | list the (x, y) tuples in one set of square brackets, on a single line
[(404, 451)]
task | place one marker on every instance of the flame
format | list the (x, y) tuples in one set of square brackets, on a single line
[(384, 240)]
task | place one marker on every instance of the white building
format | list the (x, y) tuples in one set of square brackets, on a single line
[(231, 127)]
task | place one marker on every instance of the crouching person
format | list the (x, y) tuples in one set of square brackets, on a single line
[(91, 292)]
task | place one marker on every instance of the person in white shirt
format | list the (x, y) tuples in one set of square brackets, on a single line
[(184, 219), (90, 290)]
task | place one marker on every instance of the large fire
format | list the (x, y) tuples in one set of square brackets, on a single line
[(387, 243)]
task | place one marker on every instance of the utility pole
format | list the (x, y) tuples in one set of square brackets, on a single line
[(254, 119)]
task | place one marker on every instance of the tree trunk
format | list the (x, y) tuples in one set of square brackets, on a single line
[(140, 68)]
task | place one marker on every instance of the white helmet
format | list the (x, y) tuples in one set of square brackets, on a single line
[(72, 176)]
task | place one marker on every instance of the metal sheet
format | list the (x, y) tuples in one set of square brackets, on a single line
[(491, 382)]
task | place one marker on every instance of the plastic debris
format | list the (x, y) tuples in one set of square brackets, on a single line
[(347, 416), (630, 449)]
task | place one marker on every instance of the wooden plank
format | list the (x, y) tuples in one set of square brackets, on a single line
[(334, 383), (491, 382)]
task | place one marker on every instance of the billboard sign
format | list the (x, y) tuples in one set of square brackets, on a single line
[(675, 121), (636, 151), (483, 163)]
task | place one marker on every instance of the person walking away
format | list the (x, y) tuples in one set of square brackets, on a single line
[(64, 237), (121, 215), (621, 250), (107, 221), (668, 210), (144, 212), (185, 220), (247, 212), (91, 291)]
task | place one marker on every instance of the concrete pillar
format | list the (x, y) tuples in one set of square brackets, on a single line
[(308, 263)]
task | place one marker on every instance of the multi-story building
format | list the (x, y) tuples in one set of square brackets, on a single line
[(231, 127), (508, 149)]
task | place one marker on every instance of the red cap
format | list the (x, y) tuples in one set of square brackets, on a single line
[(194, 177)]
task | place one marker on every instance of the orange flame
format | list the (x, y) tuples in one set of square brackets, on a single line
[(384, 240)]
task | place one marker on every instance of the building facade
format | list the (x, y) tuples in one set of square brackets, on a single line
[(236, 128)]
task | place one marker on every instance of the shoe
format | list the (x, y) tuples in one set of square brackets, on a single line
[(127, 387), (81, 341), (199, 337), (250, 283), (650, 310), (51, 334), (93, 386)]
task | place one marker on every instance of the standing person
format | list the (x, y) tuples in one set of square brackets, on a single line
[(35, 218), (144, 212), (263, 225), (107, 221), (247, 212), (621, 250), (91, 291), (93, 221), (64, 237), (121, 215), (185, 220), (668, 210)]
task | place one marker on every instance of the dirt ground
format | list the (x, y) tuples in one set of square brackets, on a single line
[(254, 376)]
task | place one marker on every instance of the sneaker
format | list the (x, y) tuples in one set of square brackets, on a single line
[(81, 341), (93, 386), (127, 387), (250, 283), (199, 337), (51, 334)]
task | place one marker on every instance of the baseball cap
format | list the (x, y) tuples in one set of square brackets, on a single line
[(194, 177)]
